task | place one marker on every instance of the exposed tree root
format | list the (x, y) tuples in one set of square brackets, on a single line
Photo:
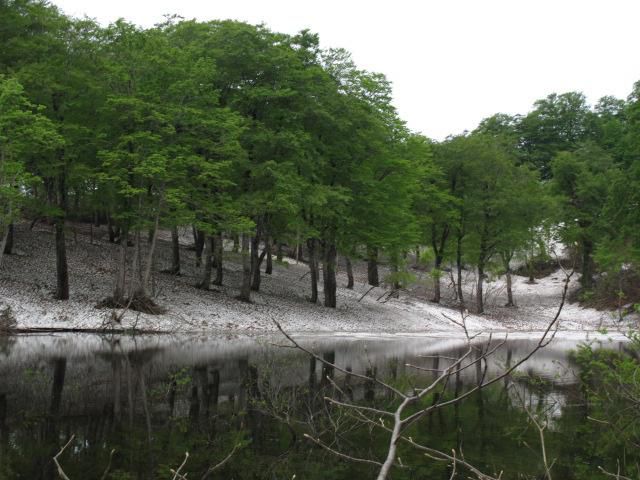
[(138, 303)]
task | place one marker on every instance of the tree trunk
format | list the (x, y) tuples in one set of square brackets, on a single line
[(256, 259), (532, 278), (480, 292), (218, 253), (586, 279), (175, 252), (267, 245), (198, 237), (329, 275), (208, 266), (62, 270), (313, 269), (459, 269), (146, 279), (4, 241), (245, 289), (509, 289), (136, 267), (372, 266), (279, 252), (236, 243), (121, 274), (436, 279), (8, 245), (349, 273), (395, 271), (255, 264), (112, 233)]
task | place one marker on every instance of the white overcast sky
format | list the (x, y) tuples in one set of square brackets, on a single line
[(452, 62)]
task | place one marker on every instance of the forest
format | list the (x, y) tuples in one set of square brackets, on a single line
[(267, 140)]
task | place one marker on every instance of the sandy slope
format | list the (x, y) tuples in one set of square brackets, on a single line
[(27, 280)]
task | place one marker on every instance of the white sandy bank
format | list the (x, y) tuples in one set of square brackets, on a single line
[(27, 280)]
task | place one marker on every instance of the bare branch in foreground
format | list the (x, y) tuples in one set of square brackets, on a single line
[(325, 362), (433, 453), (453, 465), (220, 464), (106, 470), (542, 342), (617, 475), (55, 459), (401, 424), (541, 427), (176, 473), (61, 472), (340, 454)]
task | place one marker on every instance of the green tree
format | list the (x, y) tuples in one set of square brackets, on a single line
[(487, 200), (559, 122), (24, 132), (582, 178)]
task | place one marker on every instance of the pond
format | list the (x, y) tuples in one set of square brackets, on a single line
[(249, 401)]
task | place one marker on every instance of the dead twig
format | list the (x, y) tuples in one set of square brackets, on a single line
[(176, 473), (55, 459), (106, 470), (340, 454), (541, 427), (221, 463), (616, 475), (325, 362)]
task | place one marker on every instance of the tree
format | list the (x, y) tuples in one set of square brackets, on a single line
[(523, 212), (24, 132), (618, 243), (557, 123), (491, 173), (437, 210), (582, 178), (525, 209)]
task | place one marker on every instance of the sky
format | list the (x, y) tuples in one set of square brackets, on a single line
[(452, 62)]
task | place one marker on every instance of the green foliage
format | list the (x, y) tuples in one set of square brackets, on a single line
[(610, 383), (426, 256), (557, 123), (24, 133)]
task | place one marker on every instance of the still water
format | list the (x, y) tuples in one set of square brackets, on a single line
[(248, 401)]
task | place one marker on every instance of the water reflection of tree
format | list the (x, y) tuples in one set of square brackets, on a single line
[(6, 344), (266, 402), (413, 404)]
